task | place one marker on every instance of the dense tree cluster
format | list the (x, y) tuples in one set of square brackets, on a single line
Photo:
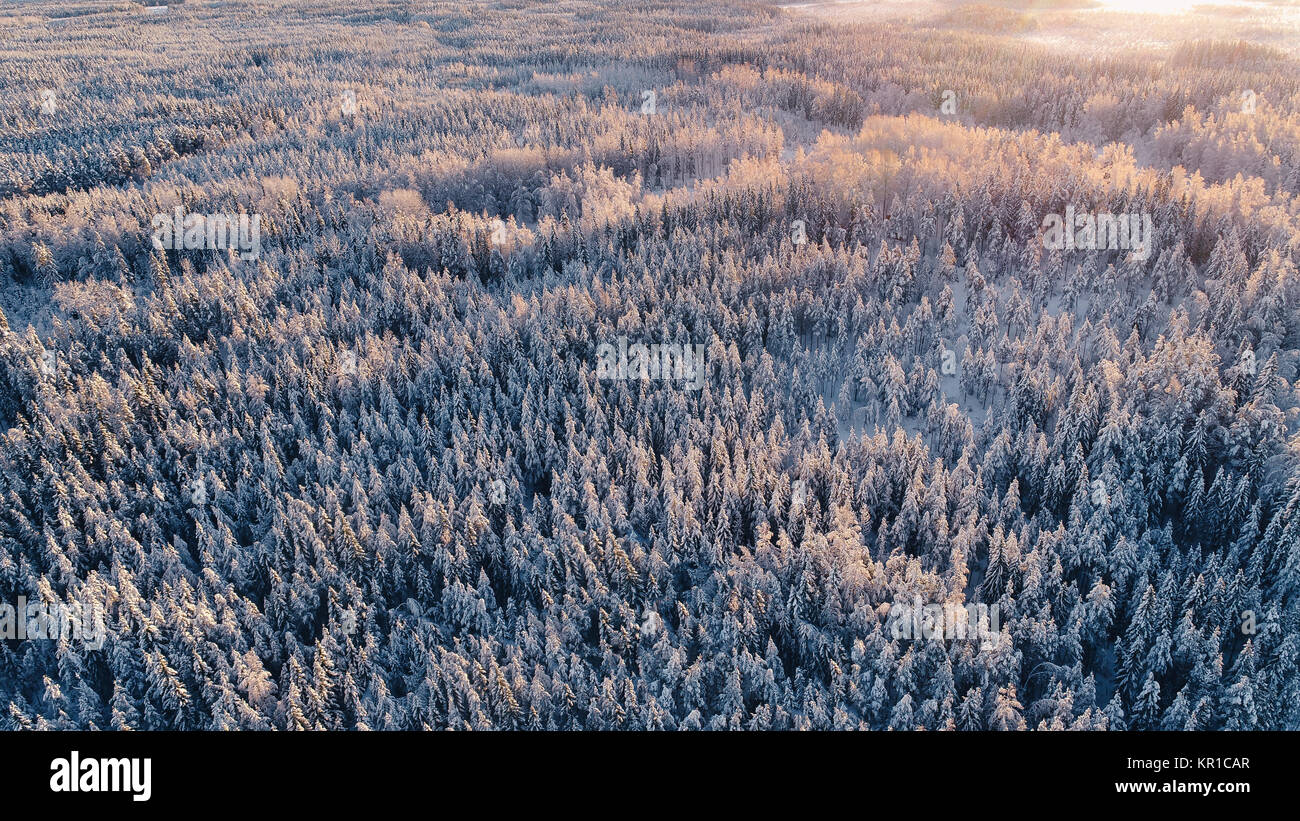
[(371, 479)]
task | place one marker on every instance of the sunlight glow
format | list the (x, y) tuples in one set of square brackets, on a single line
[(1151, 6)]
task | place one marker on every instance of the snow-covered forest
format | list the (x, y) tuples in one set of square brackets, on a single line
[(372, 474)]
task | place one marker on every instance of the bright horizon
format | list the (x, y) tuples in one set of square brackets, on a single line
[(1157, 6)]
